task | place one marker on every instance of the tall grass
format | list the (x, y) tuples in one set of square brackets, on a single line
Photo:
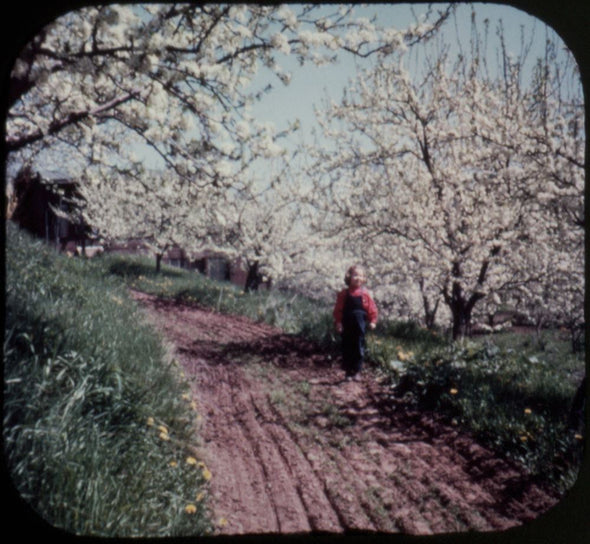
[(513, 392), (97, 419)]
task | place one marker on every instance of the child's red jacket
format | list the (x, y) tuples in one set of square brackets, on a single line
[(368, 304)]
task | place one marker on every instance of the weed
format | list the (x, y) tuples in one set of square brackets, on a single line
[(277, 396), (334, 416)]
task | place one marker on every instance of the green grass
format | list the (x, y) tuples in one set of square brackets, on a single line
[(87, 384)]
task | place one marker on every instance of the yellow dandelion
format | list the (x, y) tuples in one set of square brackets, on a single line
[(194, 405), (173, 464), (190, 508), (186, 396), (524, 438), (222, 522), (206, 474), (164, 436), (528, 411), (163, 429), (191, 461), (453, 391), (200, 496), (150, 422)]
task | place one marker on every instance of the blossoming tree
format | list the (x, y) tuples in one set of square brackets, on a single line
[(450, 183), (554, 142), (107, 82)]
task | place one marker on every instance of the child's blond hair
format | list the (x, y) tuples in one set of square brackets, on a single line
[(351, 270)]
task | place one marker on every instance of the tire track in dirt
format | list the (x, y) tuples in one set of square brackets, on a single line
[(321, 514), (292, 449)]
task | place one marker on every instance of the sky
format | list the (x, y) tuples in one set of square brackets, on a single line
[(311, 85)]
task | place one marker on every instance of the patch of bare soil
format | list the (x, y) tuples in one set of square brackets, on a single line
[(295, 449)]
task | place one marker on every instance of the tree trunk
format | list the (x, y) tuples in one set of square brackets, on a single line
[(159, 262), (429, 310), (254, 278), (461, 307), (577, 331), (429, 313), (461, 321)]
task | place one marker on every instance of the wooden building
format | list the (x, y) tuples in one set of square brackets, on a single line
[(35, 205)]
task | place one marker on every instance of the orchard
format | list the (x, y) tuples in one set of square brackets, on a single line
[(456, 179)]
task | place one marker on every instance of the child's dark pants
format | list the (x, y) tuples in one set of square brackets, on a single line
[(353, 335)]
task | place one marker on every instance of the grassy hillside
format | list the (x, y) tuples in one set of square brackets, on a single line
[(97, 418)]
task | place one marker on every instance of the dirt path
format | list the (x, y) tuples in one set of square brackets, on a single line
[(293, 449)]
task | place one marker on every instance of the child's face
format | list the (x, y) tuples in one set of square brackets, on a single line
[(357, 278)]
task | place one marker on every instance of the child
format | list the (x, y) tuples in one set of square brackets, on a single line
[(354, 307)]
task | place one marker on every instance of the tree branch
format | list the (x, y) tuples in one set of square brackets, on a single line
[(14, 144)]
